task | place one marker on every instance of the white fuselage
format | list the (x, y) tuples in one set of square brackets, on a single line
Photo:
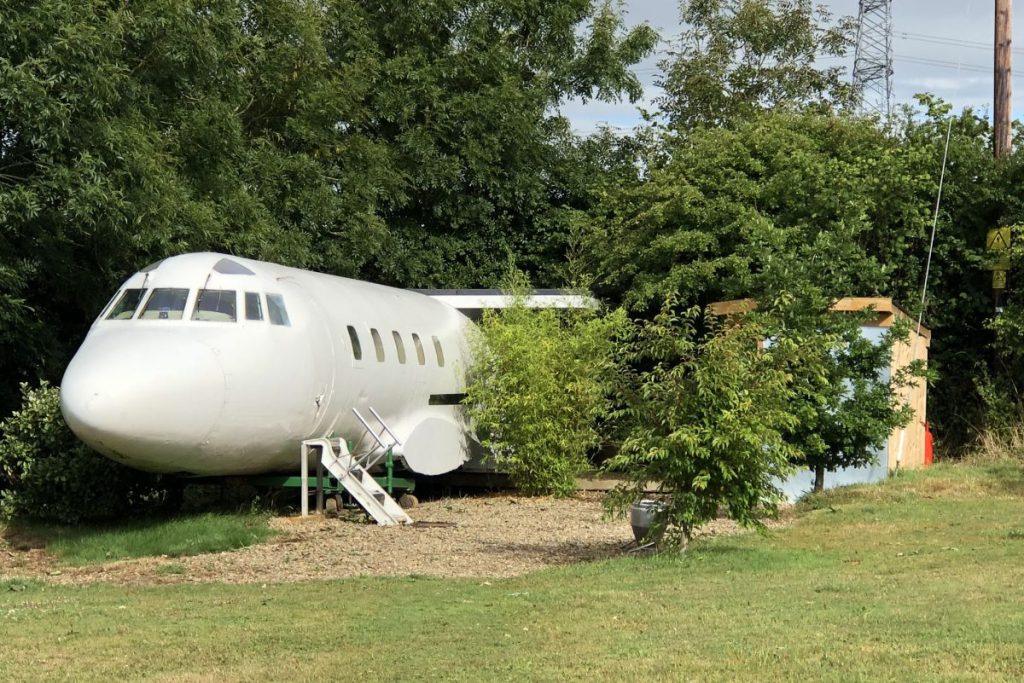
[(207, 375)]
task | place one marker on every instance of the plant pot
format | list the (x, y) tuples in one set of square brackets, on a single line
[(642, 517)]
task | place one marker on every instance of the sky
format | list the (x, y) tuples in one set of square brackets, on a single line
[(954, 37)]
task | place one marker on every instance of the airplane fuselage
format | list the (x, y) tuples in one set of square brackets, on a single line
[(209, 364)]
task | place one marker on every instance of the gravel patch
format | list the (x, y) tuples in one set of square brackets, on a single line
[(483, 536)]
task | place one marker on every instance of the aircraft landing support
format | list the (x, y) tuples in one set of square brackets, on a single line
[(336, 459)]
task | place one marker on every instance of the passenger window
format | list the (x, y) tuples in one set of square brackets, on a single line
[(421, 357), (399, 346), (165, 303), (216, 305), (253, 306), (125, 307), (378, 345), (357, 348), (439, 351), (276, 311)]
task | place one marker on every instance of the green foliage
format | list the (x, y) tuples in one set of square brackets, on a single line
[(706, 414), (540, 389), (726, 214), (845, 401), (46, 473), (740, 57), (413, 143)]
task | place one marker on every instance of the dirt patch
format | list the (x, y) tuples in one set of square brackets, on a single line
[(491, 536)]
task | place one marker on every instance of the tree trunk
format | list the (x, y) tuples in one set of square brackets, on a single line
[(819, 478)]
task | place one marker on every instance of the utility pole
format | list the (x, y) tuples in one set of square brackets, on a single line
[(872, 61), (998, 241), (1003, 95)]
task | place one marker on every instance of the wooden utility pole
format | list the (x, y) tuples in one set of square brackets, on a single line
[(1003, 105)]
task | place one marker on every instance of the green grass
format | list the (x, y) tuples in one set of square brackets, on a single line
[(918, 579), (174, 537)]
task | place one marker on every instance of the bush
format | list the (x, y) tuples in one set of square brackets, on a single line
[(47, 473), (540, 387), (706, 413)]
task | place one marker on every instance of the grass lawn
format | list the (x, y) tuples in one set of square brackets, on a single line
[(175, 536), (919, 579)]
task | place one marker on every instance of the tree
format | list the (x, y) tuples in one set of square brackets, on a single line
[(741, 57), (461, 99), (411, 143), (844, 398), (540, 389), (976, 375), (718, 207), (706, 413), (795, 211)]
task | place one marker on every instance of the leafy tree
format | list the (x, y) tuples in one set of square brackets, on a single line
[(973, 363), (845, 400), (738, 58), (706, 414), (540, 389), (795, 211), (408, 142), (462, 97), (728, 213)]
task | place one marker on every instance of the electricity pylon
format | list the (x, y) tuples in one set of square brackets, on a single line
[(872, 62)]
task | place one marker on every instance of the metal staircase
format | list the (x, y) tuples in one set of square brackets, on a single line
[(352, 470)]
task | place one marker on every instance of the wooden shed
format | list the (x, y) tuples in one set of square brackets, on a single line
[(905, 447)]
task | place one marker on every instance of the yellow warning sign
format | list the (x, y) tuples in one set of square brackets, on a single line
[(998, 244), (998, 279)]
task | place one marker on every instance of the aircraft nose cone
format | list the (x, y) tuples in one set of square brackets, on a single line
[(146, 401)]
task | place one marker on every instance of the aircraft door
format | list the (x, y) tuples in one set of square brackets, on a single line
[(316, 331)]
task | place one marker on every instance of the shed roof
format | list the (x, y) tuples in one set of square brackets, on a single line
[(884, 306)]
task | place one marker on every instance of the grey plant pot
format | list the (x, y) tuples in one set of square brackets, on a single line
[(641, 518)]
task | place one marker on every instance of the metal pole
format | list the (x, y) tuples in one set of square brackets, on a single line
[(304, 479), (320, 486), (1003, 87)]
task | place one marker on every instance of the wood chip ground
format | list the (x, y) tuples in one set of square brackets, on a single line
[(481, 536)]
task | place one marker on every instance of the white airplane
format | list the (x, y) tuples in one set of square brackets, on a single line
[(208, 364)]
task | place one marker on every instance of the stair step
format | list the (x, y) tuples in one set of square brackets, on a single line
[(357, 481)]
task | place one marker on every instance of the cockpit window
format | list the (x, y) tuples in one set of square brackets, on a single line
[(165, 303), (276, 311), (253, 307), (125, 307), (215, 305)]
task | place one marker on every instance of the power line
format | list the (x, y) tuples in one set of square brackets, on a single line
[(944, 64), (954, 42), (959, 66)]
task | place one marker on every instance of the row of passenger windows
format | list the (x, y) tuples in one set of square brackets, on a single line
[(219, 305), (378, 346), (168, 303)]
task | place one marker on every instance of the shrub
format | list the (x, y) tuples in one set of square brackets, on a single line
[(539, 388), (47, 473), (706, 413)]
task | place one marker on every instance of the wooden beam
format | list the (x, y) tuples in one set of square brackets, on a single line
[(734, 307), (884, 306)]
